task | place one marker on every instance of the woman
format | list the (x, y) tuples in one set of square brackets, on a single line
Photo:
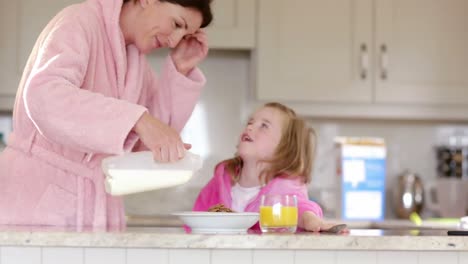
[(88, 92)]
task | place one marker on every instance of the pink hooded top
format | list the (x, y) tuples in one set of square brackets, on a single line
[(81, 93), (218, 190)]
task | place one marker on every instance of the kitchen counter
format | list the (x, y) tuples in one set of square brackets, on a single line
[(176, 238), (173, 221)]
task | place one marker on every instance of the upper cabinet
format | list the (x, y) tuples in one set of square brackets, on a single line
[(21, 22), (365, 58), (9, 77), (314, 50), (233, 26), (421, 51)]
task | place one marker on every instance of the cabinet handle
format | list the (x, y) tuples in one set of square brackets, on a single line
[(384, 62), (364, 61)]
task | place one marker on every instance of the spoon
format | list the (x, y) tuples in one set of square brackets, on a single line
[(335, 229)]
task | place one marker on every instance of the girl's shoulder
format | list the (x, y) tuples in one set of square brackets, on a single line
[(220, 168), (290, 179), (287, 181), (221, 171), (286, 185)]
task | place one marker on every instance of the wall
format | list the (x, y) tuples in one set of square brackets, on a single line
[(410, 145)]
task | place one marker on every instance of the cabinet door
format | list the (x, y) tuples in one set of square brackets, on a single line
[(233, 26), (9, 77), (422, 51), (314, 50), (21, 22)]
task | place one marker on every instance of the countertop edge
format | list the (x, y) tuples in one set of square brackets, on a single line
[(221, 241)]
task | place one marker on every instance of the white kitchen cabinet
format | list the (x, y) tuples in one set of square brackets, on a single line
[(21, 22), (422, 51), (233, 26), (403, 59), (8, 55), (315, 50)]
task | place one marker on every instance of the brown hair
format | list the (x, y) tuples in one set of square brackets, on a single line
[(294, 154), (203, 6)]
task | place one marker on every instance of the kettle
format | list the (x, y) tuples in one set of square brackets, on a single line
[(409, 195)]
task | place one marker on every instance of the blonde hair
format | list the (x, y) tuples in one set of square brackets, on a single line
[(294, 154)]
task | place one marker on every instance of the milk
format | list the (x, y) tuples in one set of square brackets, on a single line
[(138, 172)]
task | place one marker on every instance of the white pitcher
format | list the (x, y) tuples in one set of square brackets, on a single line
[(138, 172)]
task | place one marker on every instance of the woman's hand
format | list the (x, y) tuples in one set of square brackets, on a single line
[(161, 139), (313, 223), (190, 51)]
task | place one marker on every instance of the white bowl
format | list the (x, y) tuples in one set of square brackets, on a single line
[(218, 222)]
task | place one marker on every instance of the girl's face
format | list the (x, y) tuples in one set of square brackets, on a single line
[(262, 134), (163, 24)]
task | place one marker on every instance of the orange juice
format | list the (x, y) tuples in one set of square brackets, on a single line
[(283, 216)]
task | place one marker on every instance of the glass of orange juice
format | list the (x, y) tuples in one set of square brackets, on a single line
[(278, 213)]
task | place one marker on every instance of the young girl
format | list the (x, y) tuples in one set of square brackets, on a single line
[(274, 155)]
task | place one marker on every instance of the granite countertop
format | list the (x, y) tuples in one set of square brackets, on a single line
[(173, 221), (176, 238)]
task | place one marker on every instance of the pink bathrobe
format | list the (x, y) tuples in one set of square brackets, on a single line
[(218, 190), (81, 93)]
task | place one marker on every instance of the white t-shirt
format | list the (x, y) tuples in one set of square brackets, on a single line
[(242, 196)]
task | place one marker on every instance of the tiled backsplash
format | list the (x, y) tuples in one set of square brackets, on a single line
[(409, 146)]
